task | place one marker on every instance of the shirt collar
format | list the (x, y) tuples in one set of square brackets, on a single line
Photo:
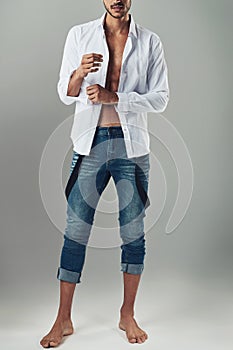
[(132, 27)]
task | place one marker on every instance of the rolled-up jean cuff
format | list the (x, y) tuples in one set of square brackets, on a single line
[(68, 276), (134, 269)]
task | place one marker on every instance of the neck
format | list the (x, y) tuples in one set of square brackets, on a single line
[(117, 26)]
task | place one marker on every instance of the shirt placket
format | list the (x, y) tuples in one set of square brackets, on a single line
[(106, 51), (122, 116), (104, 68)]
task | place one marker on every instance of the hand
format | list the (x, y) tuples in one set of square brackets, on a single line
[(90, 63), (98, 94)]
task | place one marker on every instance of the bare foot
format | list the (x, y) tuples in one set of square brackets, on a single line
[(133, 332), (59, 329)]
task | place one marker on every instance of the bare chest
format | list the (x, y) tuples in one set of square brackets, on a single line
[(116, 48)]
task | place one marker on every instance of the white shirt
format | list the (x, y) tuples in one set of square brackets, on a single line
[(143, 85)]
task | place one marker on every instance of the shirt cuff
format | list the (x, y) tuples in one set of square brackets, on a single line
[(68, 100), (79, 98), (123, 102)]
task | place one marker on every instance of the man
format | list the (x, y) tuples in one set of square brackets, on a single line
[(115, 72)]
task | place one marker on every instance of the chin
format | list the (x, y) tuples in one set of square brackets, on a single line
[(117, 16)]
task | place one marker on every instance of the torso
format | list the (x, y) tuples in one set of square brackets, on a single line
[(108, 115)]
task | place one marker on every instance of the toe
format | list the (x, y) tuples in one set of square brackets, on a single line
[(139, 340), (53, 343), (133, 340), (44, 343), (143, 338)]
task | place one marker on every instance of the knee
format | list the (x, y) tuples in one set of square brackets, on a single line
[(79, 223), (136, 245), (79, 211), (73, 247), (133, 232)]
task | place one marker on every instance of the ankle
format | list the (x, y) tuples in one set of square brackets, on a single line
[(126, 312), (63, 317)]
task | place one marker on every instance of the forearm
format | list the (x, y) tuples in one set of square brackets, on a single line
[(75, 83), (151, 102)]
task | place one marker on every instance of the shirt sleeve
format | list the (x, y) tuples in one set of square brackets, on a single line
[(157, 96), (70, 62)]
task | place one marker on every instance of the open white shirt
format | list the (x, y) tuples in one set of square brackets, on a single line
[(143, 85)]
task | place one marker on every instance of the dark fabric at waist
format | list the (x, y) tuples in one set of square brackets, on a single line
[(109, 130)]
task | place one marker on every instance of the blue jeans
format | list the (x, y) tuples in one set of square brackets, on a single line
[(89, 175)]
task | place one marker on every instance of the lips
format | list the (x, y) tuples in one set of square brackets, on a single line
[(118, 6)]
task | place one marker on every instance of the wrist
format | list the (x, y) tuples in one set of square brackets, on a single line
[(78, 75)]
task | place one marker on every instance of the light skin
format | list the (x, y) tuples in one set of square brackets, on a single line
[(116, 29)]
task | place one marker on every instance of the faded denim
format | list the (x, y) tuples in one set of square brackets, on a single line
[(107, 158)]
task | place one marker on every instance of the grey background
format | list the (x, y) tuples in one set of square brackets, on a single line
[(185, 298)]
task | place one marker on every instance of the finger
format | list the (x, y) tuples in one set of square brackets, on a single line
[(92, 88), (92, 97), (92, 56), (90, 70), (94, 70), (91, 92), (94, 59), (91, 61), (90, 65)]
